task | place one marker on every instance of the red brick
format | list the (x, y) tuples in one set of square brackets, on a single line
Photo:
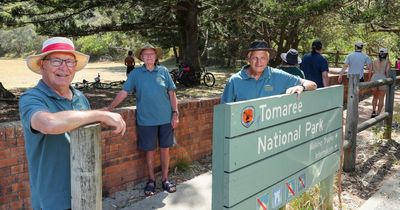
[(8, 162), (2, 134), (5, 153), (10, 132), (6, 190), (114, 147), (18, 187), (16, 204), (6, 171), (22, 177), (20, 142), (17, 169)]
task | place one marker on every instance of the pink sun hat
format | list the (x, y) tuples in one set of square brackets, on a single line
[(57, 44)]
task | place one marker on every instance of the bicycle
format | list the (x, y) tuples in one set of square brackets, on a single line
[(96, 84), (188, 78)]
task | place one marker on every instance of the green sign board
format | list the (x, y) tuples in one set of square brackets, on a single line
[(269, 150)]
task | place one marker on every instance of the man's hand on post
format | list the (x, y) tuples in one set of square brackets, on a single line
[(116, 121)]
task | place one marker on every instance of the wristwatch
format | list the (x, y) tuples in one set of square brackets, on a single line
[(304, 87)]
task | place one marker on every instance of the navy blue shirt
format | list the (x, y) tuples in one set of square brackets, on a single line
[(151, 87), (313, 64), (241, 87), (48, 155)]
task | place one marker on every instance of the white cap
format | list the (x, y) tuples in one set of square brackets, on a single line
[(359, 44), (383, 50)]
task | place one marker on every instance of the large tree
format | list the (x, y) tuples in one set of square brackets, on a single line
[(174, 21)]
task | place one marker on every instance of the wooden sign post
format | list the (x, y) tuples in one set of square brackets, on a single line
[(268, 151), (86, 183)]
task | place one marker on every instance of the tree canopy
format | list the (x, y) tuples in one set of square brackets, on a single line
[(213, 28)]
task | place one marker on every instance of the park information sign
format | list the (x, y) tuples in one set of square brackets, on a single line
[(268, 151)]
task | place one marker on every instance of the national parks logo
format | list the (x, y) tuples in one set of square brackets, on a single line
[(248, 116)]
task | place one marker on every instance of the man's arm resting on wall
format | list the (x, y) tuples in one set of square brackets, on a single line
[(306, 85), (117, 100), (64, 121), (174, 105), (345, 66)]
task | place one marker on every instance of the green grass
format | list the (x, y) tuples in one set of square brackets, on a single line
[(182, 164), (308, 200)]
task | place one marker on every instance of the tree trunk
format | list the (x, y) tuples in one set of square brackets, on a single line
[(187, 16), (4, 93)]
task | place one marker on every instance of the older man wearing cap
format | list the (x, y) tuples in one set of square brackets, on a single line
[(157, 112), (259, 80), (290, 63), (355, 62), (48, 112), (315, 66)]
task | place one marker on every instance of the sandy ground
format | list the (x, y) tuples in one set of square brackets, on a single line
[(15, 73)]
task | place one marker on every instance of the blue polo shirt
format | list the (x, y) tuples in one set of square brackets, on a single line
[(48, 155), (241, 86), (152, 99), (356, 61), (313, 65)]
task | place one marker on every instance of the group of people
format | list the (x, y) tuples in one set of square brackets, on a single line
[(53, 107), (314, 67)]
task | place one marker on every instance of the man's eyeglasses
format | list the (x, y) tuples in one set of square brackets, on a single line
[(56, 62)]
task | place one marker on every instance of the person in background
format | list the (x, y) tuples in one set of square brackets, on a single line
[(49, 111), (380, 70), (157, 112), (257, 79), (355, 62), (129, 63), (315, 66), (397, 66), (290, 63)]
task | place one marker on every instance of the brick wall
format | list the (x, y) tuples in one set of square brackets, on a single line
[(123, 164)]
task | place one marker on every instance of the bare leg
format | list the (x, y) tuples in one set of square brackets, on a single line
[(164, 163), (150, 164), (375, 94), (381, 97)]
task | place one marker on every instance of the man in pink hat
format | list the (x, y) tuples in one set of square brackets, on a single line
[(48, 112)]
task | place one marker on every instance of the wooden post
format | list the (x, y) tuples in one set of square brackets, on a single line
[(326, 192), (337, 58), (86, 183), (351, 123), (389, 105)]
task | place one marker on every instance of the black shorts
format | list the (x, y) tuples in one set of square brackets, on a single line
[(129, 69)]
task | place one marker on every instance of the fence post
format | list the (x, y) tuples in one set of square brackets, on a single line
[(349, 162), (337, 58), (389, 103), (86, 183)]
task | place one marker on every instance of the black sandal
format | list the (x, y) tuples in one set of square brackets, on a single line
[(150, 188), (168, 186)]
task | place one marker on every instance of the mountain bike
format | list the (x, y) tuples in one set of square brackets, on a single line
[(188, 78), (96, 84)]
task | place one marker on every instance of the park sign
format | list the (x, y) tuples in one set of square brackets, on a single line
[(267, 151)]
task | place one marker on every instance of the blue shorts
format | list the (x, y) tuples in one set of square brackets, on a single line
[(148, 136)]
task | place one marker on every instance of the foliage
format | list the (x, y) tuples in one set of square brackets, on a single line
[(306, 201), (222, 29), (182, 164), (19, 42), (115, 45)]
